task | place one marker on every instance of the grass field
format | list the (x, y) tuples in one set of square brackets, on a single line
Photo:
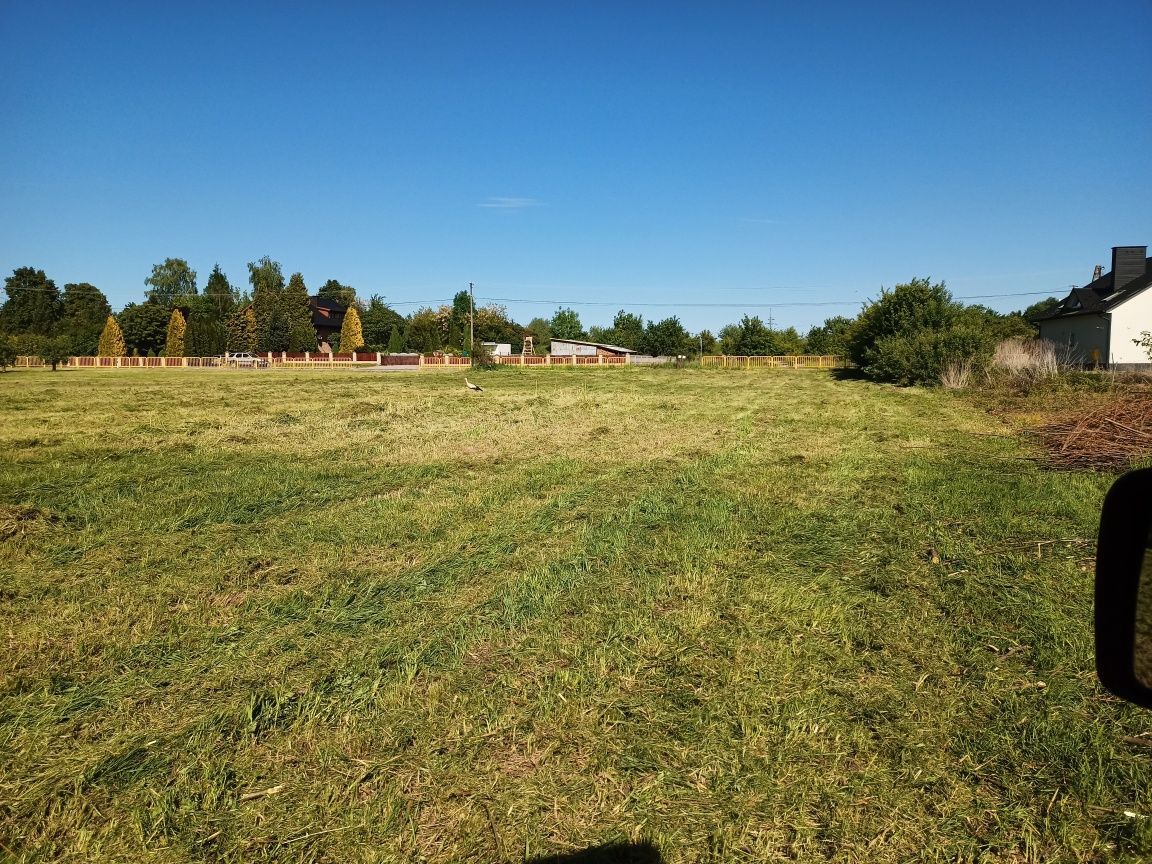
[(747, 616)]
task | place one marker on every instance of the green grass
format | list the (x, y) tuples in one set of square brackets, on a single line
[(748, 616)]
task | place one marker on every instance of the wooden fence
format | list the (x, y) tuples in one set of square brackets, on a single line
[(784, 361)]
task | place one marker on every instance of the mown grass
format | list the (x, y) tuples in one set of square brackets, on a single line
[(748, 616)]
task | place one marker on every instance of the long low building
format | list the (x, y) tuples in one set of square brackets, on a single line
[(582, 348)]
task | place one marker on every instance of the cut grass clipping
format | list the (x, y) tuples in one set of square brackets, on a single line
[(744, 617)]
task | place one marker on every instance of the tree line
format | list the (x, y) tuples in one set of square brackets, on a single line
[(906, 335)]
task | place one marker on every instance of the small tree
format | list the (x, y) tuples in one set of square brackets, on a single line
[(53, 350), (396, 341), (351, 334), (174, 344), (7, 353), (111, 339)]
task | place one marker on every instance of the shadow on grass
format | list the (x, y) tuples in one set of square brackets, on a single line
[(848, 374), (611, 853)]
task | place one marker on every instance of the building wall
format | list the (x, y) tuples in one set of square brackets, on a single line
[(1128, 320), (1080, 338), (566, 349)]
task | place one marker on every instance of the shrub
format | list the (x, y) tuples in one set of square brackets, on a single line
[(913, 332), (1145, 342), (482, 356)]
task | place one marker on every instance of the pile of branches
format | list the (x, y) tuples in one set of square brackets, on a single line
[(1110, 437)]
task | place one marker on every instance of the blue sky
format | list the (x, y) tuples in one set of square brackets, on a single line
[(617, 153)]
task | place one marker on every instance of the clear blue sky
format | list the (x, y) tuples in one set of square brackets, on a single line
[(616, 152)]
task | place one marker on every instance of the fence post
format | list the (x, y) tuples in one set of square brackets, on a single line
[(421, 363), (377, 358)]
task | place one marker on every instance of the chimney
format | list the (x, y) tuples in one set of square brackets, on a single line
[(1127, 264)]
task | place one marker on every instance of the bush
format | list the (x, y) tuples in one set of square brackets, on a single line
[(482, 356), (914, 332)]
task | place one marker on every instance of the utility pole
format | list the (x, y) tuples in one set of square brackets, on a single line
[(471, 321)]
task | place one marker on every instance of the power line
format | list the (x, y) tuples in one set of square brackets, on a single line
[(770, 305), (678, 305)]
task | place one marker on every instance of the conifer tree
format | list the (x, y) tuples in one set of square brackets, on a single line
[(298, 314), (396, 341), (351, 334), (272, 328), (174, 344), (111, 339), (242, 331)]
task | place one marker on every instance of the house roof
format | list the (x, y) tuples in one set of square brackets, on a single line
[(603, 345), (1099, 296), (326, 312)]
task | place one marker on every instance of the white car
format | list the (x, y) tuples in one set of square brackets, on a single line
[(245, 359)]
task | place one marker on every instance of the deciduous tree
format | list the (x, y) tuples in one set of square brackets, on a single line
[(7, 353), (83, 312), (423, 332), (170, 282), (145, 327), (333, 290), (565, 324), (111, 339), (378, 321), (53, 350), (33, 304), (830, 337), (666, 338)]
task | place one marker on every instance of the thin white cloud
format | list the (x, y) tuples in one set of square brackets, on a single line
[(501, 203)]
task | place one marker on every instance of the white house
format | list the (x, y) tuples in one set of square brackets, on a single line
[(1099, 323)]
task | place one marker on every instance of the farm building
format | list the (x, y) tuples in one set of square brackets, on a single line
[(1099, 323), (568, 347), (498, 349)]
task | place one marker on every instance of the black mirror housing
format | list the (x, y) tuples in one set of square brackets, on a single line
[(1123, 616)]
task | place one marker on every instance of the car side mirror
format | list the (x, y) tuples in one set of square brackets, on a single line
[(1124, 589)]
